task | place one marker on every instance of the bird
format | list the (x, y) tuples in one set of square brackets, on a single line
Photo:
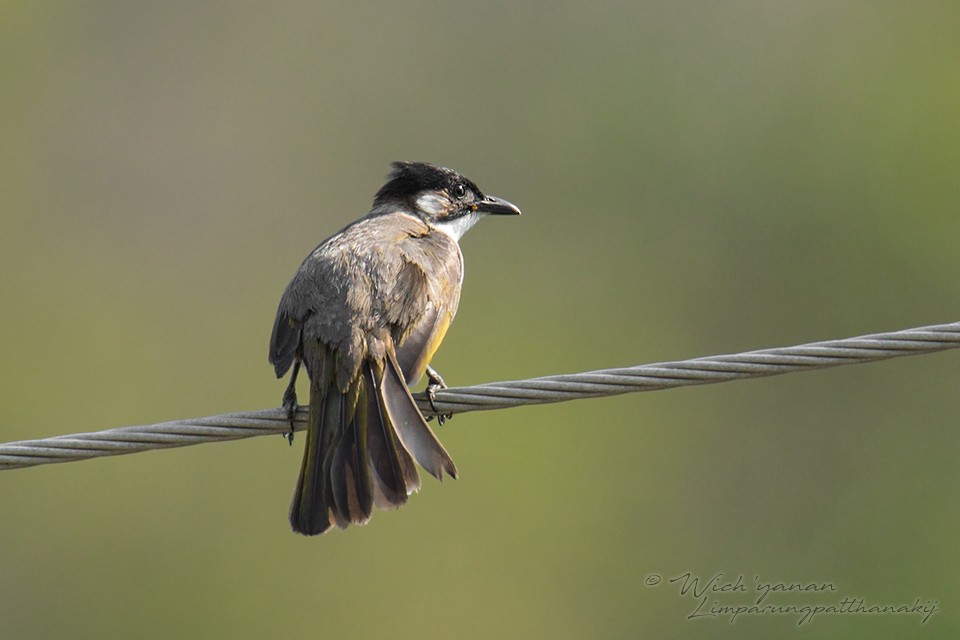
[(364, 314)]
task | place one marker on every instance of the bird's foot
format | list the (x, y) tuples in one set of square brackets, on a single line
[(436, 383), (290, 406)]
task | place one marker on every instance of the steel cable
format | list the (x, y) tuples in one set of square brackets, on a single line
[(499, 395)]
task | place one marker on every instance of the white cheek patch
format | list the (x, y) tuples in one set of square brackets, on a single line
[(432, 204)]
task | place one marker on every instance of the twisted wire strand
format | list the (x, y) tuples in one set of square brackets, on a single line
[(499, 395)]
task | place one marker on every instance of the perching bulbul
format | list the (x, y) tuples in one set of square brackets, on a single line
[(364, 314)]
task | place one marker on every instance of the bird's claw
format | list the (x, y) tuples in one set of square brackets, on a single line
[(290, 406), (436, 384)]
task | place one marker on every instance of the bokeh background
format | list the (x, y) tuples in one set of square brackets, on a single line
[(696, 178)]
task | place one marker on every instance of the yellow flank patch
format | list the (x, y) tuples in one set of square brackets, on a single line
[(431, 345)]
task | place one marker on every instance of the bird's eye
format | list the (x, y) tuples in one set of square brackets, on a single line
[(460, 191)]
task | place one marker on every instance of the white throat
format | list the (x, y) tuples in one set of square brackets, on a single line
[(456, 227)]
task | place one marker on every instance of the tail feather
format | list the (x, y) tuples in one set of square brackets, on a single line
[(308, 512), (413, 430), (395, 474), (349, 471)]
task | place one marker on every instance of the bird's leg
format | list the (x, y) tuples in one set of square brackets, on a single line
[(290, 399), (436, 383)]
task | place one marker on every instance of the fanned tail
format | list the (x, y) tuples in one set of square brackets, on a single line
[(360, 447)]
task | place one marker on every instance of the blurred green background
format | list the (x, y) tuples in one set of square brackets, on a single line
[(696, 178)]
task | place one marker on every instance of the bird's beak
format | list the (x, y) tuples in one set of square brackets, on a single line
[(496, 206)]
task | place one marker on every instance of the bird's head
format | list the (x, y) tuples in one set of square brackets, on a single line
[(441, 197)]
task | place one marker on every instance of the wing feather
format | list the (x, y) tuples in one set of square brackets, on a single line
[(413, 430)]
